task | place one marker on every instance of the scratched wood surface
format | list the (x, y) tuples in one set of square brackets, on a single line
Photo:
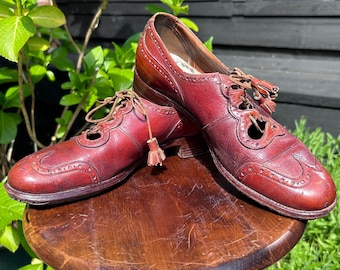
[(182, 216)]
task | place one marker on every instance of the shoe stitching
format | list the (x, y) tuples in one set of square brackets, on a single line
[(67, 168)]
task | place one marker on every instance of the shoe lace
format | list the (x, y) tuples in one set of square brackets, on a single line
[(156, 155), (263, 91)]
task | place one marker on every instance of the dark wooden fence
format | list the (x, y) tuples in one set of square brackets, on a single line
[(295, 44)]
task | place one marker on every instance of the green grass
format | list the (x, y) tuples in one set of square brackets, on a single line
[(319, 247)]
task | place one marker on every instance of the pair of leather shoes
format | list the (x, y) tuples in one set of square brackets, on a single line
[(195, 93)]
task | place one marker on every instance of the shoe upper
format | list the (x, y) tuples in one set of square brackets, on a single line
[(253, 151), (101, 156)]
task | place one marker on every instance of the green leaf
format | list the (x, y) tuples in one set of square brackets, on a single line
[(179, 10), (36, 264), (61, 60), (132, 39), (5, 12), (122, 78), (168, 2), (63, 64), (8, 75), (61, 131), (38, 44), (38, 55), (37, 72), (75, 80), (56, 33), (65, 119), (70, 99), (66, 85), (176, 6), (189, 23), (91, 99), (47, 16), (110, 60), (209, 44), (8, 128), (9, 209), (118, 54), (93, 59), (8, 3), (15, 31), (63, 122), (50, 75), (67, 116), (104, 87), (13, 98), (9, 238)]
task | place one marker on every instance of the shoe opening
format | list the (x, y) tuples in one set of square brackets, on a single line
[(256, 129), (93, 136)]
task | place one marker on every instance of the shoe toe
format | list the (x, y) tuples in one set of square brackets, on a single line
[(51, 170), (22, 177), (294, 182)]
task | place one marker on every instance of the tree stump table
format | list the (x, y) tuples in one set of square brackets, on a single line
[(183, 215)]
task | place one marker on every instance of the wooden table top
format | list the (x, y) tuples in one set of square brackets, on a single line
[(182, 216)]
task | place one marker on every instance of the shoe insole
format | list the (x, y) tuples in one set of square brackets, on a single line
[(184, 65)]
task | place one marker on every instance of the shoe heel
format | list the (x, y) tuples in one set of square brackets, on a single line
[(188, 147), (144, 90)]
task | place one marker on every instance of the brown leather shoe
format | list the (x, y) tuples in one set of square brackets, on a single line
[(254, 152), (103, 155)]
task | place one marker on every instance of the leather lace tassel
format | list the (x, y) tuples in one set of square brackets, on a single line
[(156, 155)]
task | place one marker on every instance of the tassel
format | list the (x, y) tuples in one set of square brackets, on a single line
[(267, 104), (156, 155)]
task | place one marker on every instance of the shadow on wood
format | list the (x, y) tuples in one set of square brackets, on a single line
[(182, 216)]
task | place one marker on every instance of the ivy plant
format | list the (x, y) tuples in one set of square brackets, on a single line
[(19, 23)]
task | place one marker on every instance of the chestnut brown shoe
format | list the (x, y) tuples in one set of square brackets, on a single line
[(253, 152), (103, 155)]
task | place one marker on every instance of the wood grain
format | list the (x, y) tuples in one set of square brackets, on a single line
[(182, 216)]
